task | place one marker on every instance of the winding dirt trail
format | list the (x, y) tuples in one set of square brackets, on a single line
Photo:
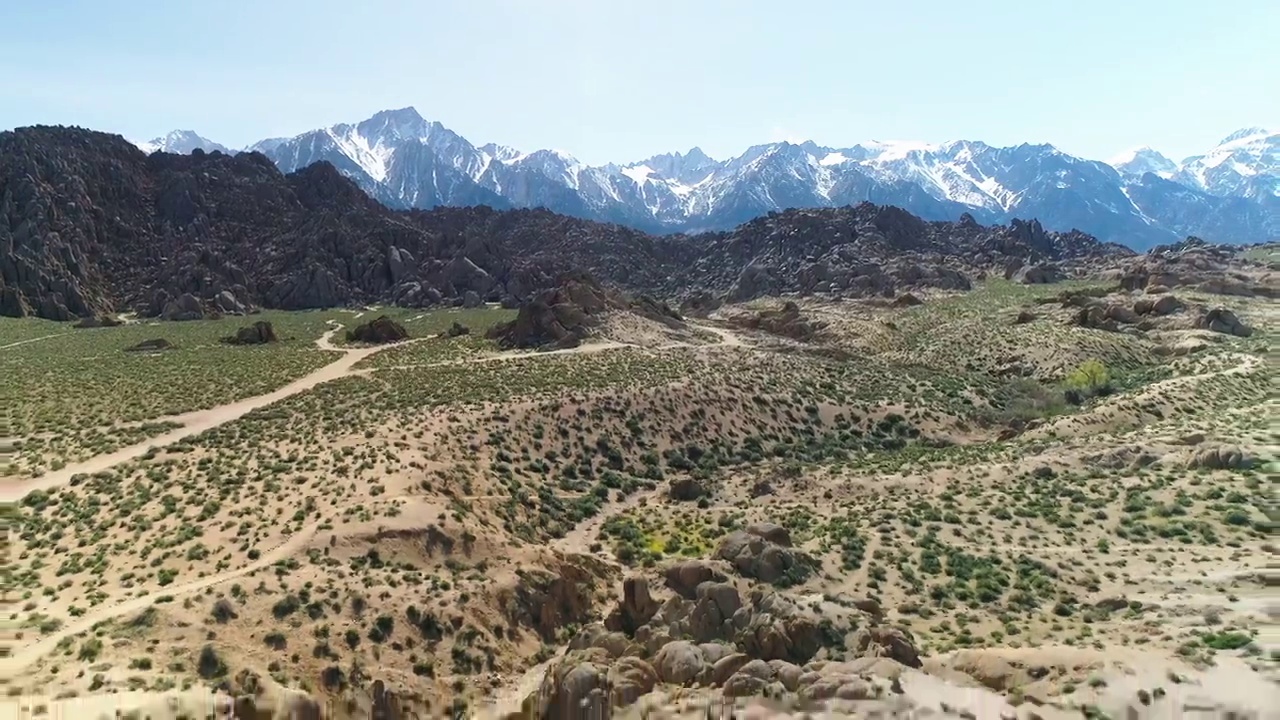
[(24, 657), (32, 340), (198, 421), (1120, 405), (580, 538), (728, 338)]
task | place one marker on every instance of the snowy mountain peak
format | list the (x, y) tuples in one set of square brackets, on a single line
[(1139, 198), (1246, 134), (696, 155), (501, 153), (408, 114), (682, 168), (404, 123), (180, 142), (1142, 160), (888, 150), (1245, 164)]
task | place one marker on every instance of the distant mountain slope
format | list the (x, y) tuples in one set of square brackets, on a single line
[(1245, 164), (405, 161), (90, 224), (181, 142)]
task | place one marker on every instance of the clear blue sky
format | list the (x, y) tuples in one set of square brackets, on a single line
[(618, 80)]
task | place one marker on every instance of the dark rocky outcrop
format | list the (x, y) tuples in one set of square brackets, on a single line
[(700, 303), (788, 322), (99, 321), (1222, 320), (764, 552), (1035, 274), (379, 331), (869, 251), (1159, 305), (1220, 457), (712, 634), (259, 333), (563, 316), (637, 607), (155, 345), (184, 307), (686, 488), (575, 688), (457, 329), (1194, 263)]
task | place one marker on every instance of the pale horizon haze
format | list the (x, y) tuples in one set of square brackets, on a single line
[(615, 81)]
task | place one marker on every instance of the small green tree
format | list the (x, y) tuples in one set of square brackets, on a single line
[(1090, 377)]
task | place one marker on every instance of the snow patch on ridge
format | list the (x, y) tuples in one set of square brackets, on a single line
[(638, 174), (373, 160), (897, 149)]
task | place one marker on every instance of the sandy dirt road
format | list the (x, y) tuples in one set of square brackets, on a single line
[(196, 422), (32, 340)]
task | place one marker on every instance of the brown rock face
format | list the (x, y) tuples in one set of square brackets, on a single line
[(379, 331), (547, 600), (1221, 457), (1160, 305), (1095, 317), (630, 678), (576, 688), (685, 577), (889, 642), (756, 553), (637, 607)]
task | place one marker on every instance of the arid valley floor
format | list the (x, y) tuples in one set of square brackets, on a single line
[(837, 501)]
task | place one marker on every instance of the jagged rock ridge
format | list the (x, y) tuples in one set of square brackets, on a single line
[(90, 225)]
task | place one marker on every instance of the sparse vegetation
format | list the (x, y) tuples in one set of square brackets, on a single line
[(386, 518)]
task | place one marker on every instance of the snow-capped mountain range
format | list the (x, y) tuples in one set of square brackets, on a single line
[(1229, 194), (180, 142)]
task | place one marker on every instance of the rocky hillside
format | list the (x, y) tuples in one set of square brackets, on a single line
[(563, 316), (89, 224), (874, 250)]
